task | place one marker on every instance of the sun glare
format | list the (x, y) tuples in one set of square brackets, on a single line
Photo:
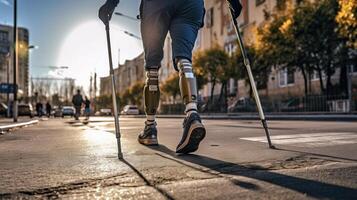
[(85, 51)]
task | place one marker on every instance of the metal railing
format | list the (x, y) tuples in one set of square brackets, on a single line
[(306, 104)]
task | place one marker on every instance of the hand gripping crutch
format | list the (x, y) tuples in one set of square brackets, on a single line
[(115, 105), (251, 79)]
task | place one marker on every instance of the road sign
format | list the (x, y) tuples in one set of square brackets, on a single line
[(7, 88)]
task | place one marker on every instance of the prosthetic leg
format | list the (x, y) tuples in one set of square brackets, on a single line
[(152, 98), (193, 129), (188, 85)]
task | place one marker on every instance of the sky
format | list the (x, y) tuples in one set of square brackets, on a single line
[(69, 33)]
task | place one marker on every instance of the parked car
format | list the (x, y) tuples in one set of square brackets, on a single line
[(105, 112), (3, 109), (243, 105), (26, 110), (130, 110), (68, 111), (57, 112), (292, 105)]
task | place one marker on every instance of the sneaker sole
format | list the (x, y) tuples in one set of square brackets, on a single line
[(148, 142), (195, 135)]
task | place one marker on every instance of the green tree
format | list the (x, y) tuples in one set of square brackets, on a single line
[(133, 95), (306, 39), (261, 67), (171, 86), (199, 71), (212, 62)]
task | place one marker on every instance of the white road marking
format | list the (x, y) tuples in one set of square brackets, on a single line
[(310, 140)]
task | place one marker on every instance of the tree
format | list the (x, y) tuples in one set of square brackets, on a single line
[(347, 21), (306, 39), (136, 93), (133, 94), (212, 62), (199, 70), (171, 86), (261, 67)]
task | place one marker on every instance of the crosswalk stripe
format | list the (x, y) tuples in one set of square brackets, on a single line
[(310, 140)]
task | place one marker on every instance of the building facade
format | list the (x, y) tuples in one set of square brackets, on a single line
[(6, 59), (126, 75), (219, 31)]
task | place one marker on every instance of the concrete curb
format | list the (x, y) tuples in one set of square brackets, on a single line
[(6, 128), (316, 117)]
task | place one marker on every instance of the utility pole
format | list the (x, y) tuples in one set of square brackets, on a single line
[(14, 110), (8, 57)]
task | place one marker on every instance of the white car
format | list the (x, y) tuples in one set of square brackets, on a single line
[(105, 112), (130, 110)]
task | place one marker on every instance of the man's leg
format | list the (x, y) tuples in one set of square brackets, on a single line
[(151, 98), (183, 30), (155, 22), (193, 130)]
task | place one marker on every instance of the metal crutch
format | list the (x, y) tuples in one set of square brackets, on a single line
[(251, 79), (115, 105)]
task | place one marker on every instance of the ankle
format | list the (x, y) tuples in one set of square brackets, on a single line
[(189, 112), (150, 119), (150, 123), (191, 107)]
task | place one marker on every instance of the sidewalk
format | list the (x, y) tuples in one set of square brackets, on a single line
[(7, 124), (67, 159)]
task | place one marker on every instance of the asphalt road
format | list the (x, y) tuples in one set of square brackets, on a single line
[(68, 159)]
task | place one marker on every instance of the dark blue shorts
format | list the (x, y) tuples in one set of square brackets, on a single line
[(181, 18)]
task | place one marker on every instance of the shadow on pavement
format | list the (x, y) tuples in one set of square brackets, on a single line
[(311, 188), (255, 127)]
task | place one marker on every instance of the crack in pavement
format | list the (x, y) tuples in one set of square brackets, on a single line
[(62, 189)]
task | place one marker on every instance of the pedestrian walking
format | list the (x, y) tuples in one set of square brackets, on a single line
[(87, 108), (182, 19), (48, 109), (77, 101), (39, 109)]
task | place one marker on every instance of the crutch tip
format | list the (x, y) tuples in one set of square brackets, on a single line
[(120, 157), (272, 147)]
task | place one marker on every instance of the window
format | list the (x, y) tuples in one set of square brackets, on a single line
[(286, 77), (232, 86), (258, 2), (4, 49), (230, 49), (4, 36), (209, 18), (354, 69), (315, 75)]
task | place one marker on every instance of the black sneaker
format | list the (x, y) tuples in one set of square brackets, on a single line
[(148, 137), (193, 134)]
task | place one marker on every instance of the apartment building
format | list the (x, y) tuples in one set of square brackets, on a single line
[(6, 59), (219, 31), (126, 75)]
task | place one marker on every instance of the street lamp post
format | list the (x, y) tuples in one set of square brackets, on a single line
[(8, 82), (14, 110)]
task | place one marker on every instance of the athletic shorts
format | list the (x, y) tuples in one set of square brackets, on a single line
[(181, 18)]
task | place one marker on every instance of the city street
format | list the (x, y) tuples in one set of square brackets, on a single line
[(62, 158)]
